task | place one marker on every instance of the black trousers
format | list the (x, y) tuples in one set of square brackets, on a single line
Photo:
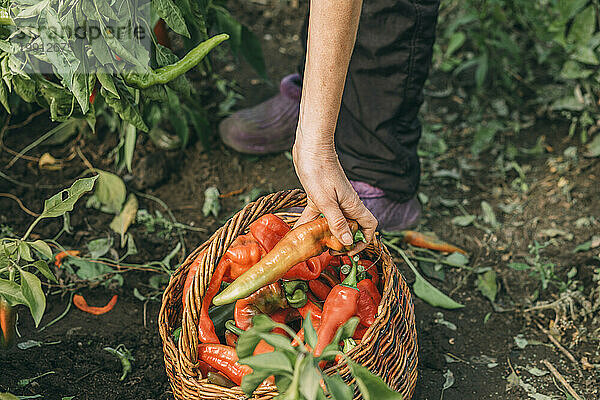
[(378, 127)]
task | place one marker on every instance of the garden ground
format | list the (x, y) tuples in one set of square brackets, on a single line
[(493, 349)]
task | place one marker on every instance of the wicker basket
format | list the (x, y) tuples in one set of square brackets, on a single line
[(389, 347)]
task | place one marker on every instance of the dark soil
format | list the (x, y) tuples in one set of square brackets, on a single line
[(481, 353)]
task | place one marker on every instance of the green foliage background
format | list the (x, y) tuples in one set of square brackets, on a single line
[(538, 56)]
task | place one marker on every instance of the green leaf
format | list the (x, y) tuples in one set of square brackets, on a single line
[(31, 287), (570, 103), (463, 220), (574, 70), (593, 147), (310, 378), (11, 292), (590, 244), (338, 389), (274, 361), (345, 331), (89, 270), (8, 396), (121, 222), (519, 266), (42, 247), (584, 26), (310, 335), (371, 386), (279, 342), (456, 41), (262, 323), (488, 214), (4, 96), (167, 10), (252, 52), (125, 105), (251, 381), (484, 137), (107, 82), (229, 25), (246, 343), (110, 193), (64, 201), (585, 55), (42, 266), (129, 147), (482, 70), (457, 259), (99, 247), (211, 202), (24, 251), (433, 296), (487, 285), (63, 60)]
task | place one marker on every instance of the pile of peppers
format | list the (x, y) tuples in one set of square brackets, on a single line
[(285, 274)]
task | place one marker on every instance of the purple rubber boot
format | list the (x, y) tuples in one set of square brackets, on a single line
[(392, 215), (269, 127)]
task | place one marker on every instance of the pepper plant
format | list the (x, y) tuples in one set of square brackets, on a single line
[(21, 258), (69, 56), (296, 370)]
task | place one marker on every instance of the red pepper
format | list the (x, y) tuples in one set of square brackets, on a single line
[(315, 317), (269, 230), (267, 300), (80, 303), (8, 319), (367, 303), (243, 253), (162, 36), (93, 95), (231, 338), (224, 359), (58, 259), (340, 306), (360, 332), (304, 242), (243, 249), (319, 289)]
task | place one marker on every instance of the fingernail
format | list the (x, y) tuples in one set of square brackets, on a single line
[(347, 239)]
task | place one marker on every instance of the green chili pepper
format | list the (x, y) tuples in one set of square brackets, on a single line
[(166, 74), (219, 315)]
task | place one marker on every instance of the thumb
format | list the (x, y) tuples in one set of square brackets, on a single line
[(338, 224), (310, 213)]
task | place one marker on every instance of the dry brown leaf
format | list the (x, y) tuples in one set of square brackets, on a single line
[(122, 221), (48, 162)]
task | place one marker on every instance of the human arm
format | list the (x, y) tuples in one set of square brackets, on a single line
[(331, 36)]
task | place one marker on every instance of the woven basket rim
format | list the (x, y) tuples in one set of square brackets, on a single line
[(180, 361)]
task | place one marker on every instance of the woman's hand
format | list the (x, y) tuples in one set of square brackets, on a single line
[(329, 192)]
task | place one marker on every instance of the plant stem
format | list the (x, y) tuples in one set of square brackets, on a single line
[(38, 219), (61, 316), (402, 253), (436, 261)]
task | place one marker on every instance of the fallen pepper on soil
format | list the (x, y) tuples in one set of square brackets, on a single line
[(80, 303), (58, 259), (418, 239)]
